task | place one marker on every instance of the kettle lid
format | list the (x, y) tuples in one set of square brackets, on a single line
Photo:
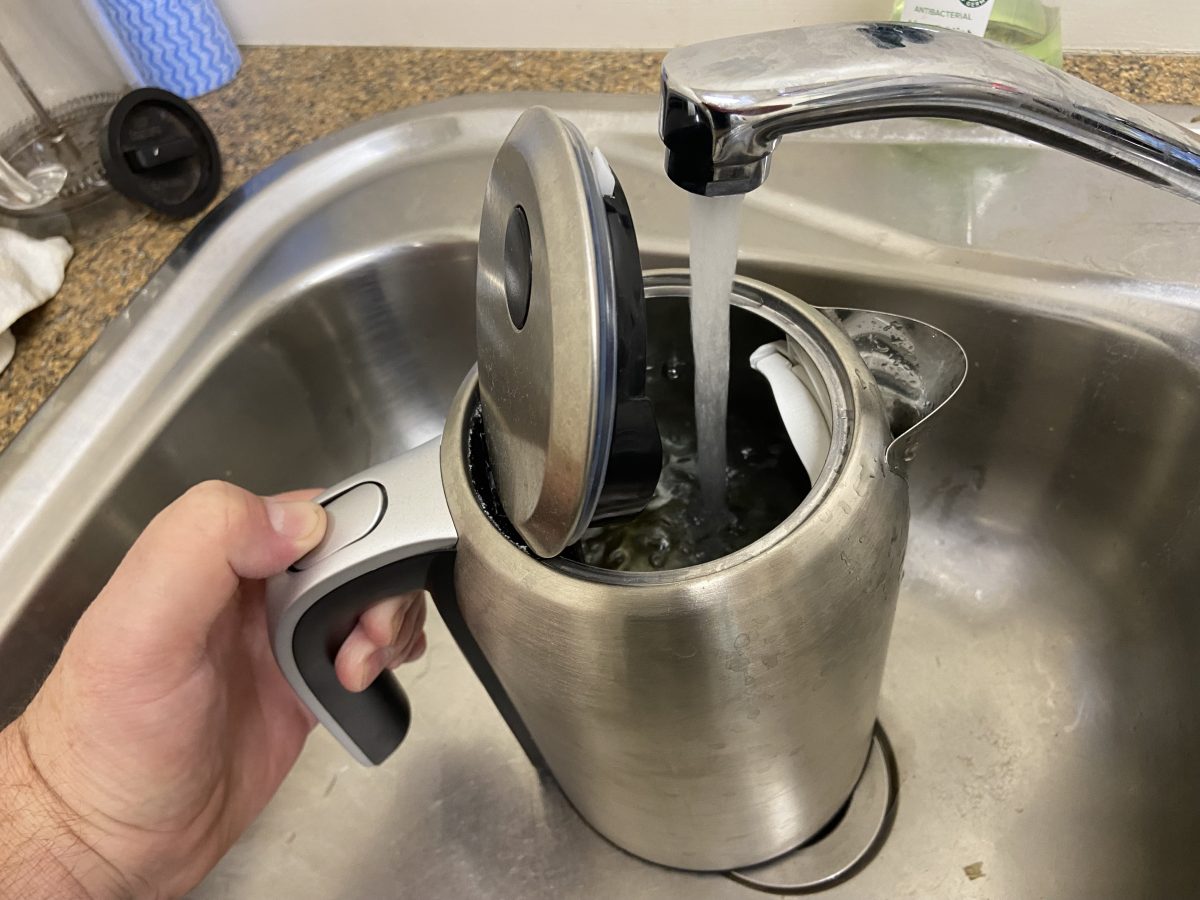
[(561, 337)]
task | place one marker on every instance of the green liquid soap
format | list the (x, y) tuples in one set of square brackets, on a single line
[(1024, 25)]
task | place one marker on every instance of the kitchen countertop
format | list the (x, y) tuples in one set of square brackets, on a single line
[(286, 97)]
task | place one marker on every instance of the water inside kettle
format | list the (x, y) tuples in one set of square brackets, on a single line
[(678, 527), (765, 479)]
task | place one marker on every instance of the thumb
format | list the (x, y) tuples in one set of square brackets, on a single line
[(186, 567)]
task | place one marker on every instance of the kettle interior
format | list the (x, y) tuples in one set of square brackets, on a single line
[(768, 480)]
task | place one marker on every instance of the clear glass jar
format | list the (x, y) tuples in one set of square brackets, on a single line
[(59, 77)]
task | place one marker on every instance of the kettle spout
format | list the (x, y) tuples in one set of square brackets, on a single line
[(917, 367)]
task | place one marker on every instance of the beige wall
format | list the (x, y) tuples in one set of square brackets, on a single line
[(1087, 24)]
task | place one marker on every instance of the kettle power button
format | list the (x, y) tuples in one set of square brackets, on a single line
[(350, 517)]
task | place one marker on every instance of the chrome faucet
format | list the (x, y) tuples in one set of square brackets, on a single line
[(726, 103)]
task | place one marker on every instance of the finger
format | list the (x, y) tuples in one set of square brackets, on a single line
[(302, 494), (414, 630), (386, 621), (357, 664), (185, 569), (379, 639), (417, 650)]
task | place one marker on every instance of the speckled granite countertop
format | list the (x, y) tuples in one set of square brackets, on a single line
[(286, 97)]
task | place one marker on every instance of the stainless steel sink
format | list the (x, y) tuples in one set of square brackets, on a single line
[(1042, 684)]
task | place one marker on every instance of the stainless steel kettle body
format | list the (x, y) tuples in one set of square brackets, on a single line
[(706, 718)]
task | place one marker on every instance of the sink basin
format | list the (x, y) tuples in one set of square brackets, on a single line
[(1039, 690)]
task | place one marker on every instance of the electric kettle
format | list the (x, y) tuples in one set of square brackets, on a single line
[(709, 717)]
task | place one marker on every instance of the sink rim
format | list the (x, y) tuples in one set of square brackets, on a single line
[(138, 353)]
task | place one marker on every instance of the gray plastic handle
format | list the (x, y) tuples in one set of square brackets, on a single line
[(313, 606)]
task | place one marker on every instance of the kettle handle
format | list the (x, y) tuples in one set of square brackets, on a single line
[(385, 526)]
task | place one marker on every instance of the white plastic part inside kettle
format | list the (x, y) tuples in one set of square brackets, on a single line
[(798, 407)]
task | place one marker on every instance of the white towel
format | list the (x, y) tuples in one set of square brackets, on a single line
[(31, 272)]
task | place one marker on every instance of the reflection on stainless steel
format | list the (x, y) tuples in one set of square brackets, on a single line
[(726, 103), (852, 841), (1041, 679), (549, 441), (918, 369)]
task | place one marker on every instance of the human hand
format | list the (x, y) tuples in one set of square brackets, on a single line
[(166, 726)]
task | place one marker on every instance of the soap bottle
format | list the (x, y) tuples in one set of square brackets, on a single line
[(1025, 25)]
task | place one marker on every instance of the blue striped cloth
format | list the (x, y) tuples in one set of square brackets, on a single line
[(183, 46)]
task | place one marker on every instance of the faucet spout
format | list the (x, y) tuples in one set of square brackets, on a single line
[(726, 103)]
